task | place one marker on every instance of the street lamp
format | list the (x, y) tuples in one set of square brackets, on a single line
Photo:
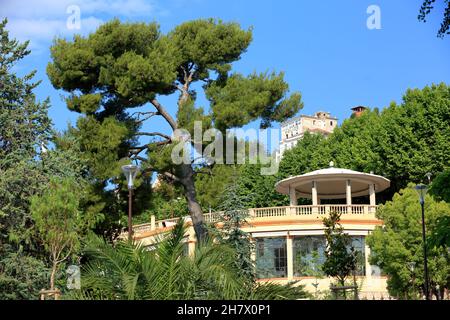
[(130, 171), (428, 175), (422, 191)]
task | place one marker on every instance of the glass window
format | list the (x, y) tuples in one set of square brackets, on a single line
[(309, 255), (359, 244), (271, 259)]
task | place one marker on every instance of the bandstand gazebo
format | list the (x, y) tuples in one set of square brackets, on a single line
[(288, 238), (334, 183)]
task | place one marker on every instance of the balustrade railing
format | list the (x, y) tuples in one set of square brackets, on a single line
[(255, 213)]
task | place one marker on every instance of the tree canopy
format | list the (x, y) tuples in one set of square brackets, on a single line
[(425, 9), (398, 249), (402, 142), (127, 66)]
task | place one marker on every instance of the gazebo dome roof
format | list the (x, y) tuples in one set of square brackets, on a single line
[(331, 183)]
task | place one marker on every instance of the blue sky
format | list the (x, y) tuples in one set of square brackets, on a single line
[(324, 47)]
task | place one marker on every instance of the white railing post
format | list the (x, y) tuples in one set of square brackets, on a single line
[(152, 222), (290, 211)]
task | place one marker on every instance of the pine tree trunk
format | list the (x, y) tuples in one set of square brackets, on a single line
[(187, 180)]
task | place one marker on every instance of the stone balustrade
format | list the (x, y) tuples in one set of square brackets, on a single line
[(255, 214)]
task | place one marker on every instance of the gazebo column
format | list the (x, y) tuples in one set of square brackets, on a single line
[(292, 200), (314, 197), (348, 192), (292, 196), (290, 256), (372, 197)]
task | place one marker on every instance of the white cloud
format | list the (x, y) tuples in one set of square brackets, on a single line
[(127, 8), (41, 32), (48, 8), (42, 20)]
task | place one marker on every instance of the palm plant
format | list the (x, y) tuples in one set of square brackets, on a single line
[(131, 271)]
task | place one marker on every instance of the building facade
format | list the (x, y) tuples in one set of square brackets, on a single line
[(293, 129), (289, 240)]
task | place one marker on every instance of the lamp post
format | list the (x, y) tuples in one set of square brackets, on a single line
[(130, 171), (422, 190)]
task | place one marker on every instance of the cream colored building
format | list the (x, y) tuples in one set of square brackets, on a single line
[(290, 241), (293, 129)]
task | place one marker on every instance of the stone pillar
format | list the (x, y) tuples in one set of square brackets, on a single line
[(314, 197), (348, 192), (253, 253), (292, 196), (290, 256), (152, 222), (372, 197), (314, 193)]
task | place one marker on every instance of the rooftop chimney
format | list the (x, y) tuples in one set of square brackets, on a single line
[(358, 110)]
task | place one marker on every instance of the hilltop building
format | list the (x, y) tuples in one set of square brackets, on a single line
[(293, 129)]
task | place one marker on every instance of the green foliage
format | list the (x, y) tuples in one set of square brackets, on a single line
[(241, 100), (25, 129), (414, 136), (340, 262), (440, 188), (100, 152), (233, 217), (441, 233), (355, 143), (24, 126), (312, 152), (398, 249), (86, 104), (165, 201), (24, 123), (211, 186), (259, 190), (56, 213), (130, 271), (210, 45), (402, 143), (21, 276), (127, 65), (59, 221), (425, 9)]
